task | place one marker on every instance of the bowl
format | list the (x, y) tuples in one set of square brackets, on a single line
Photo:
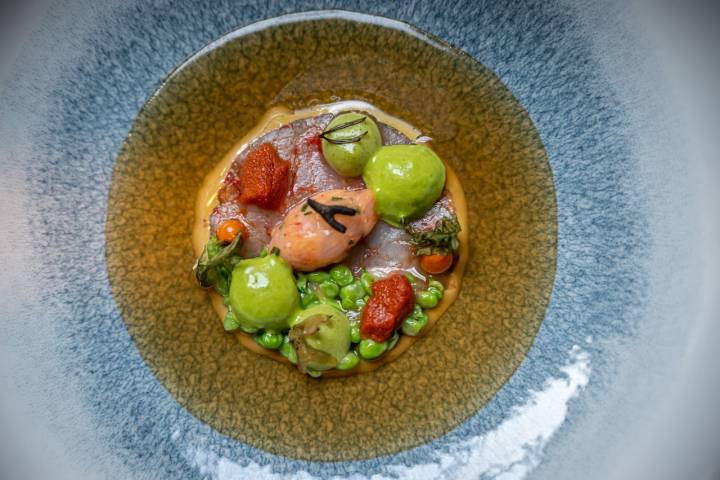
[(586, 311)]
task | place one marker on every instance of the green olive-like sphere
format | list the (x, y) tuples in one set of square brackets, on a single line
[(349, 159), (321, 336), (263, 293), (406, 181)]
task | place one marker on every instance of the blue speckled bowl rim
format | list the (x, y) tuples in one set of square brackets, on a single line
[(602, 208)]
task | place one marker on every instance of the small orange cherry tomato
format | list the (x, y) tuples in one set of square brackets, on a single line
[(228, 230), (436, 263)]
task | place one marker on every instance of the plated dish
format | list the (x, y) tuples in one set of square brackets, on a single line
[(331, 236), (209, 113), (581, 232)]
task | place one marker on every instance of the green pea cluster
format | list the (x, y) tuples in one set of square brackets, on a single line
[(424, 299), (336, 287), (269, 339), (339, 288)]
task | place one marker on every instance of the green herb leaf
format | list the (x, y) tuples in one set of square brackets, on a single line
[(213, 267), (441, 239)]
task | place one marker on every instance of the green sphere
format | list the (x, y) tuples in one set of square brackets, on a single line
[(321, 336), (263, 293), (406, 181), (349, 158)]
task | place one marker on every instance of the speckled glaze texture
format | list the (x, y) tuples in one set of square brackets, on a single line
[(95, 395), (476, 125)]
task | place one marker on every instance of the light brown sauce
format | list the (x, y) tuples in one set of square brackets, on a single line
[(276, 117)]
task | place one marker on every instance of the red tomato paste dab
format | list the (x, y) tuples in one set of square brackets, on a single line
[(264, 178), (391, 302)]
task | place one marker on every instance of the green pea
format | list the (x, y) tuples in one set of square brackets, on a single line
[(230, 322), (426, 299), (436, 285), (355, 332), (369, 349), (437, 288), (348, 304), (308, 299), (287, 350), (269, 339), (413, 324), (318, 277), (301, 281), (417, 310), (313, 373), (361, 303), (329, 289), (348, 362), (342, 275), (353, 291), (367, 279)]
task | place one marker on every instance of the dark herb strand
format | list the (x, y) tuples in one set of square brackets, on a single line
[(344, 125), (343, 141), (328, 213)]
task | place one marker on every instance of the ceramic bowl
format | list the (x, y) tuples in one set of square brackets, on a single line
[(589, 313)]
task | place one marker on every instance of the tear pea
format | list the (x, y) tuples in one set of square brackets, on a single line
[(349, 361), (370, 349)]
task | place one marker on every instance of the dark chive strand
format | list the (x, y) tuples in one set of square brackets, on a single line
[(344, 125), (343, 141), (328, 213)]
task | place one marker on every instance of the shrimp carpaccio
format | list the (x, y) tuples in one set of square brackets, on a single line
[(367, 244)]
